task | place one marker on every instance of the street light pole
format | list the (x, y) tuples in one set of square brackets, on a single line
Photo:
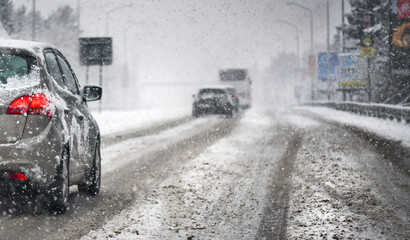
[(311, 40), (297, 38), (343, 26), (311, 22)]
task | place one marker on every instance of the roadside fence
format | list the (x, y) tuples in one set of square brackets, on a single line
[(384, 111)]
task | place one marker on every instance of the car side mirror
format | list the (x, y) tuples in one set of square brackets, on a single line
[(92, 93)]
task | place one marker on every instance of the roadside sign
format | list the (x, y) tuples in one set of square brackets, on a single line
[(323, 66), (367, 50), (403, 9), (328, 64), (367, 42), (96, 51), (352, 70), (333, 65), (400, 44), (399, 36)]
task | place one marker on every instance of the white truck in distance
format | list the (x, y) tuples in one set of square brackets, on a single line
[(240, 80)]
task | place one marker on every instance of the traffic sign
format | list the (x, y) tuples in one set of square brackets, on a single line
[(95, 51), (351, 70), (323, 66), (367, 50), (403, 9)]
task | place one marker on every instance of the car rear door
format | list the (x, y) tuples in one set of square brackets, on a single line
[(69, 113), (80, 112)]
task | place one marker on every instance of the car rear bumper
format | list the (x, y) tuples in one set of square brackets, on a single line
[(36, 158), (209, 109)]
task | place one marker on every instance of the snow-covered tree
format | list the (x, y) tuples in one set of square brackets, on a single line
[(61, 29), (372, 18), (6, 15)]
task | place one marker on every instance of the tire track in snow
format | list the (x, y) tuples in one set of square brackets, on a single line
[(273, 223), (87, 213), (157, 128)]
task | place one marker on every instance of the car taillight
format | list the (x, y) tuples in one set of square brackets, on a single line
[(19, 106), (17, 176), (38, 105), (235, 96)]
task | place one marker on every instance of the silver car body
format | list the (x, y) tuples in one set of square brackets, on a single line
[(32, 144)]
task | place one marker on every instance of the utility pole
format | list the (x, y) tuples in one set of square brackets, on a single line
[(343, 26), (328, 49), (33, 33), (311, 40), (297, 38), (327, 28)]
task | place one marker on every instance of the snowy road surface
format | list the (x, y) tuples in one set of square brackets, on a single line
[(291, 174)]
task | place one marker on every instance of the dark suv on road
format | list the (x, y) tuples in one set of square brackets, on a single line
[(213, 100), (48, 138)]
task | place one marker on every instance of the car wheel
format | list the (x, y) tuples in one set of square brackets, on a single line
[(230, 112), (60, 189), (93, 185), (195, 113)]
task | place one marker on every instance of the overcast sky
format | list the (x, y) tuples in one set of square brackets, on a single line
[(167, 36)]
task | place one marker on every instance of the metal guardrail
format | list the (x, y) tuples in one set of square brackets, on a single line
[(372, 110)]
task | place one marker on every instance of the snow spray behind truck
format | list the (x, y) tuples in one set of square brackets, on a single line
[(240, 80)]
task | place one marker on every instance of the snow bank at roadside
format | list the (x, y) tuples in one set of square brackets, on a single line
[(398, 131), (342, 189), (119, 121), (217, 195), (300, 121)]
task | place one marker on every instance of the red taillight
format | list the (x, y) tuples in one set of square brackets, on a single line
[(235, 96), (19, 106), (38, 105), (17, 176)]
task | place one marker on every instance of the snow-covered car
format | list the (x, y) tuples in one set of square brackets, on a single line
[(232, 91), (213, 100), (48, 137)]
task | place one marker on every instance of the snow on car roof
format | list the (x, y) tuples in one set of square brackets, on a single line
[(216, 87), (33, 47)]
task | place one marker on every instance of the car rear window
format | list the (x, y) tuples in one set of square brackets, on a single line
[(211, 92), (14, 68)]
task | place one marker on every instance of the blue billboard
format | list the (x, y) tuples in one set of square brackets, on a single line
[(322, 66), (328, 66)]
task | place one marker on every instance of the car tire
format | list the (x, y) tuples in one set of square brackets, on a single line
[(93, 185), (195, 114), (230, 112), (60, 189)]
